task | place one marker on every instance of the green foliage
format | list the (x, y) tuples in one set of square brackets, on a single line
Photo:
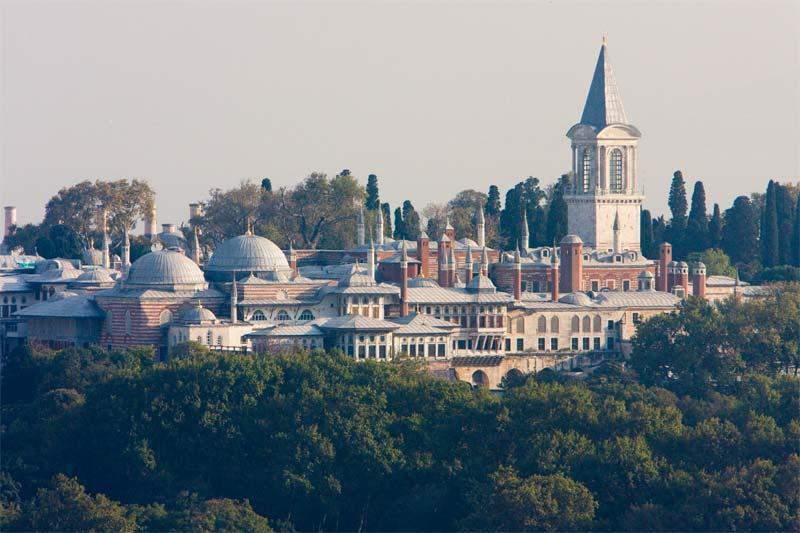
[(492, 207), (678, 207), (717, 262), (715, 228), (557, 212), (697, 238), (372, 201), (646, 237), (319, 441), (740, 231), (770, 251)]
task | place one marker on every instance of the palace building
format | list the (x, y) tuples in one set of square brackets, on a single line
[(472, 312)]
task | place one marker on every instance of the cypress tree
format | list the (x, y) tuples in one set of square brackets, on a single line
[(677, 206), (266, 185), (646, 234), (697, 223), (769, 229), (372, 202), (493, 201), (557, 212), (796, 235), (387, 220), (511, 215), (399, 232), (410, 221), (740, 231), (784, 205), (715, 228)]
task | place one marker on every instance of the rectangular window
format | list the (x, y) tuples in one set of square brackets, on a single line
[(431, 350), (610, 324), (554, 343), (508, 345), (597, 343), (541, 344), (462, 345), (636, 318), (610, 343), (595, 285), (626, 285), (574, 343), (585, 343), (382, 351), (421, 350), (413, 350), (520, 344), (441, 349), (362, 352)]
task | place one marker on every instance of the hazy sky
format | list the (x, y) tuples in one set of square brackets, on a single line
[(434, 97)]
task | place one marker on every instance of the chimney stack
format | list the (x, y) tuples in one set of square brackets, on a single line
[(699, 280), (664, 259), (554, 266), (404, 281), (423, 253), (11, 219), (571, 264), (150, 226), (517, 275)]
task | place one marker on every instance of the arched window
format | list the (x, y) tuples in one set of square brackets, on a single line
[(128, 323), (598, 324), (480, 379), (554, 325), (306, 315), (586, 170), (165, 317), (541, 325), (576, 324), (587, 324), (282, 315), (615, 169), (257, 315)]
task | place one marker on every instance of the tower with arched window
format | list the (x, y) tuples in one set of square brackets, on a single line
[(604, 166)]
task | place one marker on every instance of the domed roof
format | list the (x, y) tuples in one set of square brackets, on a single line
[(95, 275), (683, 264), (576, 298), (645, 274), (164, 269), (357, 279), (249, 253), (480, 283), (92, 256), (699, 264), (61, 295), (422, 282), (198, 315), (571, 239)]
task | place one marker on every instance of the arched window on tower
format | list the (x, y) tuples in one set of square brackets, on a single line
[(586, 171), (617, 182)]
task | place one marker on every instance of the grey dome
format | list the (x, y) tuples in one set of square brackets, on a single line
[(95, 276), (92, 256), (646, 274), (247, 253), (198, 315), (422, 282), (165, 269), (571, 239), (480, 283), (576, 298), (357, 279)]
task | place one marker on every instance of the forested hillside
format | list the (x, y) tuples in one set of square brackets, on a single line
[(699, 432)]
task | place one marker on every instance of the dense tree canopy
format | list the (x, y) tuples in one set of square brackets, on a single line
[(707, 440)]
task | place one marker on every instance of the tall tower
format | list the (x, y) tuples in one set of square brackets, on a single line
[(604, 167)]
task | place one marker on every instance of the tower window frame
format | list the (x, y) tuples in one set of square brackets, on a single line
[(586, 170), (616, 171)]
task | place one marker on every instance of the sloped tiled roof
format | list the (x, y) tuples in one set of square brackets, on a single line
[(70, 307)]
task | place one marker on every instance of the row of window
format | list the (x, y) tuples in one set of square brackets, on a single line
[(282, 316), (616, 181), (584, 343)]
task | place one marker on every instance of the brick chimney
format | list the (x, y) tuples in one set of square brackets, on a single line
[(423, 253), (699, 280), (404, 281), (664, 259), (571, 264)]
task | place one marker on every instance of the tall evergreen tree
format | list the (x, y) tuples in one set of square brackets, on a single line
[(769, 228), (557, 211), (697, 223), (677, 206), (387, 220), (796, 235), (715, 228), (372, 202), (646, 234), (659, 233), (266, 185), (511, 215), (399, 227), (784, 206), (740, 231), (493, 201), (410, 221)]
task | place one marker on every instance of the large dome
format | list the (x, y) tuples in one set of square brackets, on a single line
[(246, 253), (165, 269)]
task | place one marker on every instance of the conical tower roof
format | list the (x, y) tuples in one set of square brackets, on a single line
[(604, 103)]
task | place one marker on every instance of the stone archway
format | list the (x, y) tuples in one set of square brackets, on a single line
[(480, 379)]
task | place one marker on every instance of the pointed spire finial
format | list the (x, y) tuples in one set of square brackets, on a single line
[(605, 39)]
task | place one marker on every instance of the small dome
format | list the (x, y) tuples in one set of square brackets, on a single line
[(422, 282), (62, 295), (165, 269), (576, 298), (92, 256), (571, 239), (95, 275), (50, 265), (480, 283), (646, 274), (699, 264), (246, 253), (682, 264), (468, 242), (357, 279), (198, 315), (672, 264)]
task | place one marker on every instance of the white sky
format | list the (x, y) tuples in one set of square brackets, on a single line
[(434, 97)]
